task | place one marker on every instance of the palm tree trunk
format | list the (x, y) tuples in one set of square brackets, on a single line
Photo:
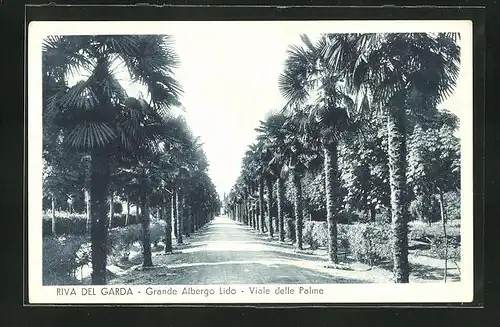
[(111, 208), (261, 205), (53, 215), (188, 221), (180, 215), (281, 221), (331, 193), (397, 177), (173, 218), (250, 210), (127, 216), (146, 234), (99, 181), (298, 210), (255, 218), (168, 227), (269, 186), (257, 210), (245, 208), (443, 221), (87, 202)]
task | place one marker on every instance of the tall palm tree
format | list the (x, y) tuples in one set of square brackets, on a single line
[(311, 84), (395, 74), (255, 162), (273, 133), (94, 113), (249, 172)]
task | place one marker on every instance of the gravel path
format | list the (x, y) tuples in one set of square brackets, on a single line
[(227, 252)]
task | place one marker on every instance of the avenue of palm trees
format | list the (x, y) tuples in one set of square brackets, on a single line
[(360, 130), (356, 105), (100, 140)]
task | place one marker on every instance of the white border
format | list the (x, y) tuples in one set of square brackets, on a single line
[(377, 293)]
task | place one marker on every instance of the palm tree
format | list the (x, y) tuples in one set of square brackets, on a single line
[(396, 74), (256, 163), (298, 156), (402, 73), (95, 114), (249, 173), (273, 134), (311, 84)]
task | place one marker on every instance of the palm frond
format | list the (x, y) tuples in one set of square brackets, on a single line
[(90, 135)]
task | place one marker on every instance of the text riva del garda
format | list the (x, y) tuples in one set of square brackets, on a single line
[(189, 291)]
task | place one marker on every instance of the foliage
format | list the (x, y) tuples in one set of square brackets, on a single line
[(313, 186), (433, 164), (365, 171), (423, 232), (65, 225), (370, 243), (60, 258), (452, 251), (76, 224), (63, 255), (315, 234)]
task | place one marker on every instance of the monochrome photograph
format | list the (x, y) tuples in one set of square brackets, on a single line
[(250, 161)]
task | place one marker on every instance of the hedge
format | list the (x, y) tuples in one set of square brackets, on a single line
[(77, 224), (371, 242)]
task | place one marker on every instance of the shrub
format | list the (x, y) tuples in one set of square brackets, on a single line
[(370, 243), (315, 234), (423, 232), (453, 249), (76, 224), (61, 256), (65, 225), (120, 240), (157, 231)]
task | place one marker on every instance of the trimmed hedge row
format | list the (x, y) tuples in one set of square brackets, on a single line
[(77, 224)]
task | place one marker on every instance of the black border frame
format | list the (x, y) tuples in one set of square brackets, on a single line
[(150, 13)]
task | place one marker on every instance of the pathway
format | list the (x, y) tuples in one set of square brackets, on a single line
[(227, 252)]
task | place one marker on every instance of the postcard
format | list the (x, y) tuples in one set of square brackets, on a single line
[(250, 162)]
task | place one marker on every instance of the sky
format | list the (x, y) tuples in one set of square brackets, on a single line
[(229, 77), (230, 83)]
